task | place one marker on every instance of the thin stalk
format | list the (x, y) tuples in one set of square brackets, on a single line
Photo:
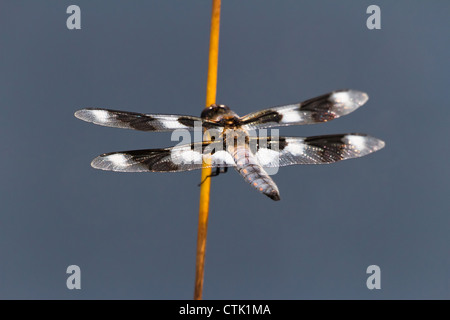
[(211, 88)]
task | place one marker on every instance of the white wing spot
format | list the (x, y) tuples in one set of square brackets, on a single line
[(169, 123), (290, 116), (342, 97), (296, 148), (222, 157), (185, 156), (117, 159), (100, 115), (357, 141), (267, 156)]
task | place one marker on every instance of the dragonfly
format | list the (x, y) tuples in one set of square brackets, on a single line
[(250, 155)]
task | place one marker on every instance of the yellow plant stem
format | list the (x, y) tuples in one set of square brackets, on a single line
[(211, 88)]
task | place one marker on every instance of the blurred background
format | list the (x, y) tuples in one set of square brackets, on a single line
[(134, 235)]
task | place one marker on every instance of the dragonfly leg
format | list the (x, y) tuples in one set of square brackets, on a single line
[(218, 171)]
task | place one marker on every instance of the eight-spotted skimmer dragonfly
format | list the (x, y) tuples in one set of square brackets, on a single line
[(249, 162)]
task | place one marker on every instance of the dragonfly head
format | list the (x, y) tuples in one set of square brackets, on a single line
[(217, 112)]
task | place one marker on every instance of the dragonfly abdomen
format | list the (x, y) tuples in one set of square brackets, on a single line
[(253, 173)]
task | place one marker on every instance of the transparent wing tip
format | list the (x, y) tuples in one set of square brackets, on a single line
[(110, 162), (363, 143), (358, 97), (92, 115), (346, 101)]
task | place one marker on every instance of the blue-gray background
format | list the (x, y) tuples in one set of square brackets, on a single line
[(134, 235)]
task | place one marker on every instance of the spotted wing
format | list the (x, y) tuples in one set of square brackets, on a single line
[(140, 121), (286, 151), (320, 109), (179, 158)]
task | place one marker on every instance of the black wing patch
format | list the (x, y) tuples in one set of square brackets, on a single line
[(320, 109), (179, 158), (140, 121), (286, 151)]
